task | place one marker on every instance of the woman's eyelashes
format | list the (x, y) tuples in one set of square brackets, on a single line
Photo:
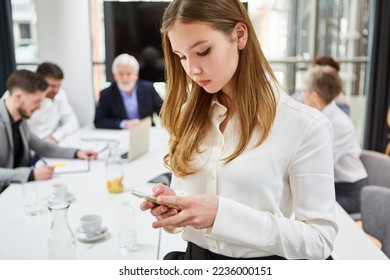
[(206, 52)]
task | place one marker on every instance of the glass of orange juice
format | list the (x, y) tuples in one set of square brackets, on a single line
[(114, 171)]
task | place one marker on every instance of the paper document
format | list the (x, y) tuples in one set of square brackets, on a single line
[(64, 166), (97, 146)]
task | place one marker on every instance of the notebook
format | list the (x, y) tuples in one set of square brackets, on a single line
[(138, 139), (65, 166)]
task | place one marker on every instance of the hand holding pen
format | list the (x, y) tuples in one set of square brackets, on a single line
[(43, 172)]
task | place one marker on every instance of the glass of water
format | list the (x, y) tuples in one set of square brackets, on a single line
[(31, 198)]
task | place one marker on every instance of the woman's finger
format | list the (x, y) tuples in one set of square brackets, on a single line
[(178, 201), (177, 220)]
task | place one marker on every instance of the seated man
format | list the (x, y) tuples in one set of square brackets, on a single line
[(56, 118), (128, 99), (26, 92), (322, 86)]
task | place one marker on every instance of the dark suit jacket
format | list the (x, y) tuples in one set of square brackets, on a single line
[(110, 110)]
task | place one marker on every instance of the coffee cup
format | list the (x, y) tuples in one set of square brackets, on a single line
[(91, 223), (60, 191)]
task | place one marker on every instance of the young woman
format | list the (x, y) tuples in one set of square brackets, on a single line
[(253, 168)]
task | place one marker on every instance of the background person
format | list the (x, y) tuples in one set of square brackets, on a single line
[(254, 167), (152, 66), (26, 92), (321, 87), (341, 100), (128, 99), (55, 118)]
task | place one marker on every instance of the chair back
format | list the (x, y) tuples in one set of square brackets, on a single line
[(377, 166), (375, 213)]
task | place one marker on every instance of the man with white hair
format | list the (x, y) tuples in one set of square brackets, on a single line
[(128, 99)]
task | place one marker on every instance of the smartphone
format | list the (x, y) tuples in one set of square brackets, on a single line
[(151, 198)]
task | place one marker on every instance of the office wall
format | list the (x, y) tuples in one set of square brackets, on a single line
[(64, 38)]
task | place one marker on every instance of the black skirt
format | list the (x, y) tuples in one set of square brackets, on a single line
[(194, 252)]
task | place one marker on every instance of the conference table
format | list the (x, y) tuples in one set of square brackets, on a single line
[(25, 237)]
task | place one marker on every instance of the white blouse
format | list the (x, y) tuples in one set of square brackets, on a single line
[(274, 199), (346, 150)]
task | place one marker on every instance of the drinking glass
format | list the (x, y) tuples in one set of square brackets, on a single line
[(31, 198)]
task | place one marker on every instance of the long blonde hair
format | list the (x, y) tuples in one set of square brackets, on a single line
[(255, 107)]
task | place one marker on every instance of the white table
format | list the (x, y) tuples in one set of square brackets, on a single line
[(23, 237), (352, 243)]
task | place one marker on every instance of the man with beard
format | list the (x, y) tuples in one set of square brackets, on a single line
[(55, 118), (26, 92), (128, 99)]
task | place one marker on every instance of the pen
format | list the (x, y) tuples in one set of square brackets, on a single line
[(44, 161)]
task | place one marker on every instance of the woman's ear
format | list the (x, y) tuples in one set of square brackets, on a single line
[(241, 35)]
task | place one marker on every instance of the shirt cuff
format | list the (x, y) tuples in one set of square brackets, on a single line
[(75, 154), (123, 123)]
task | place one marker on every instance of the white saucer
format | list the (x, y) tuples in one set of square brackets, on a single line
[(69, 198), (83, 236)]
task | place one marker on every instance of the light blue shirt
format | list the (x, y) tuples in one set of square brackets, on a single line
[(131, 106)]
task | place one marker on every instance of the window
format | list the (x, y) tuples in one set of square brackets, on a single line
[(25, 30), (292, 33), (24, 26)]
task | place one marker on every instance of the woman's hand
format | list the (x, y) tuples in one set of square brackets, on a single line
[(198, 211), (156, 209)]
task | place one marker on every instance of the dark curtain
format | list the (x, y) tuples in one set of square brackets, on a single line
[(378, 78), (7, 52)]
